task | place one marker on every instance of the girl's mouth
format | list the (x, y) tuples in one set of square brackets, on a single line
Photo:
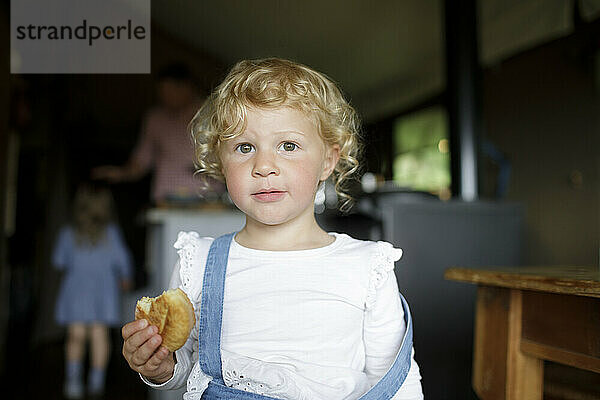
[(268, 195)]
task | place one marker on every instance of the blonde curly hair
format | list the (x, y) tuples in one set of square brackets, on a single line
[(271, 83)]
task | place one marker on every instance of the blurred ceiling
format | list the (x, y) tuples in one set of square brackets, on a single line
[(387, 55)]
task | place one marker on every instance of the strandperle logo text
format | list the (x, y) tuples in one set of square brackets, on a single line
[(84, 31)]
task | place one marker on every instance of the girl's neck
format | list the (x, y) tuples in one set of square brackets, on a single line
[(288, 236)]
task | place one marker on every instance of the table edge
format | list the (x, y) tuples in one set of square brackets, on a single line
[(506, 279)]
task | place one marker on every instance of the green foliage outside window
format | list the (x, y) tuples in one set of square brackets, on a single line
[(421, 153)]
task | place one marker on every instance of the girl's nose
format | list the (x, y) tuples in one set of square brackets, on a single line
[(264, 165)]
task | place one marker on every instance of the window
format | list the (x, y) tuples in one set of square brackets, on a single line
[(421, 151)]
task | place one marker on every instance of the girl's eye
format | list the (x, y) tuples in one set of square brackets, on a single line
[(244, 148), (288, 146)]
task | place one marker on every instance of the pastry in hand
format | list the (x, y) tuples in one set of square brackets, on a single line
[(172, 313)]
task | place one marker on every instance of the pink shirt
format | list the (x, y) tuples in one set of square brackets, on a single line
[(165, 145)]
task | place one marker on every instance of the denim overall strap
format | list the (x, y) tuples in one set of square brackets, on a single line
[(211, 314), (211, 307)]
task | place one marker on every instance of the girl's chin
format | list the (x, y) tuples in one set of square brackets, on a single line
[(279, 216), (270, 220)]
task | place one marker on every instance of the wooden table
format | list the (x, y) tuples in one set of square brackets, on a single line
[(527, 315)]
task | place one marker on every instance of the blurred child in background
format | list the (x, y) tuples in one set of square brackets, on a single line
[(96, 265)]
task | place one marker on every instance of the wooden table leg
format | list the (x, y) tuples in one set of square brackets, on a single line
[(524, 373), (500, 369), (491, 338)]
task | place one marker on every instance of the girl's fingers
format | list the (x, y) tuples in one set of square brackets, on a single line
[(138, 339), (157, 359), (132, 327), (145, 351)]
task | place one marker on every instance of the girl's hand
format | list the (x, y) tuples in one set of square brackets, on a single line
[(142, 350)]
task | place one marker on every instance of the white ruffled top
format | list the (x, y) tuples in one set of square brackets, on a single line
[(323, 323)]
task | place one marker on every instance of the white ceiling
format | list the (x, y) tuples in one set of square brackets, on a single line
[(387, 55)]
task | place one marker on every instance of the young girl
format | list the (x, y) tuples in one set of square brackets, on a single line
[(96, 265), (284, 309)]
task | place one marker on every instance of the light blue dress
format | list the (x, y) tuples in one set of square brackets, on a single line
[(90, 287)]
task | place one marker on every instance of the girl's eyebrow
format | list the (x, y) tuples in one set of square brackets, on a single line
[(289, 131)]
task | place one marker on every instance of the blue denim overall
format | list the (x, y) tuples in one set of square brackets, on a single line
[(211, 313)]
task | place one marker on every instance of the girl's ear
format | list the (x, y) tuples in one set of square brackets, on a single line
[(332, 156)]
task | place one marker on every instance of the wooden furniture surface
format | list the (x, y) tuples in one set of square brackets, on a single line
[(527, 315)]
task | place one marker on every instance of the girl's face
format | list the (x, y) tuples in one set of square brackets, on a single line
[(274, 167)]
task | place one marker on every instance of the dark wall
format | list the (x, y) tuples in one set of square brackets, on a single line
[(78, 122), (4, 112), (542, 109)]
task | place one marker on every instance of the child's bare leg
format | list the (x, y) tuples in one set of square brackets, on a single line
[(100, 344), (74, 352), (75, 347)]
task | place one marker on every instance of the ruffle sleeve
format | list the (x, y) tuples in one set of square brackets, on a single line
[(192, 251), (381, 266), (188, 275), (384, 325)]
